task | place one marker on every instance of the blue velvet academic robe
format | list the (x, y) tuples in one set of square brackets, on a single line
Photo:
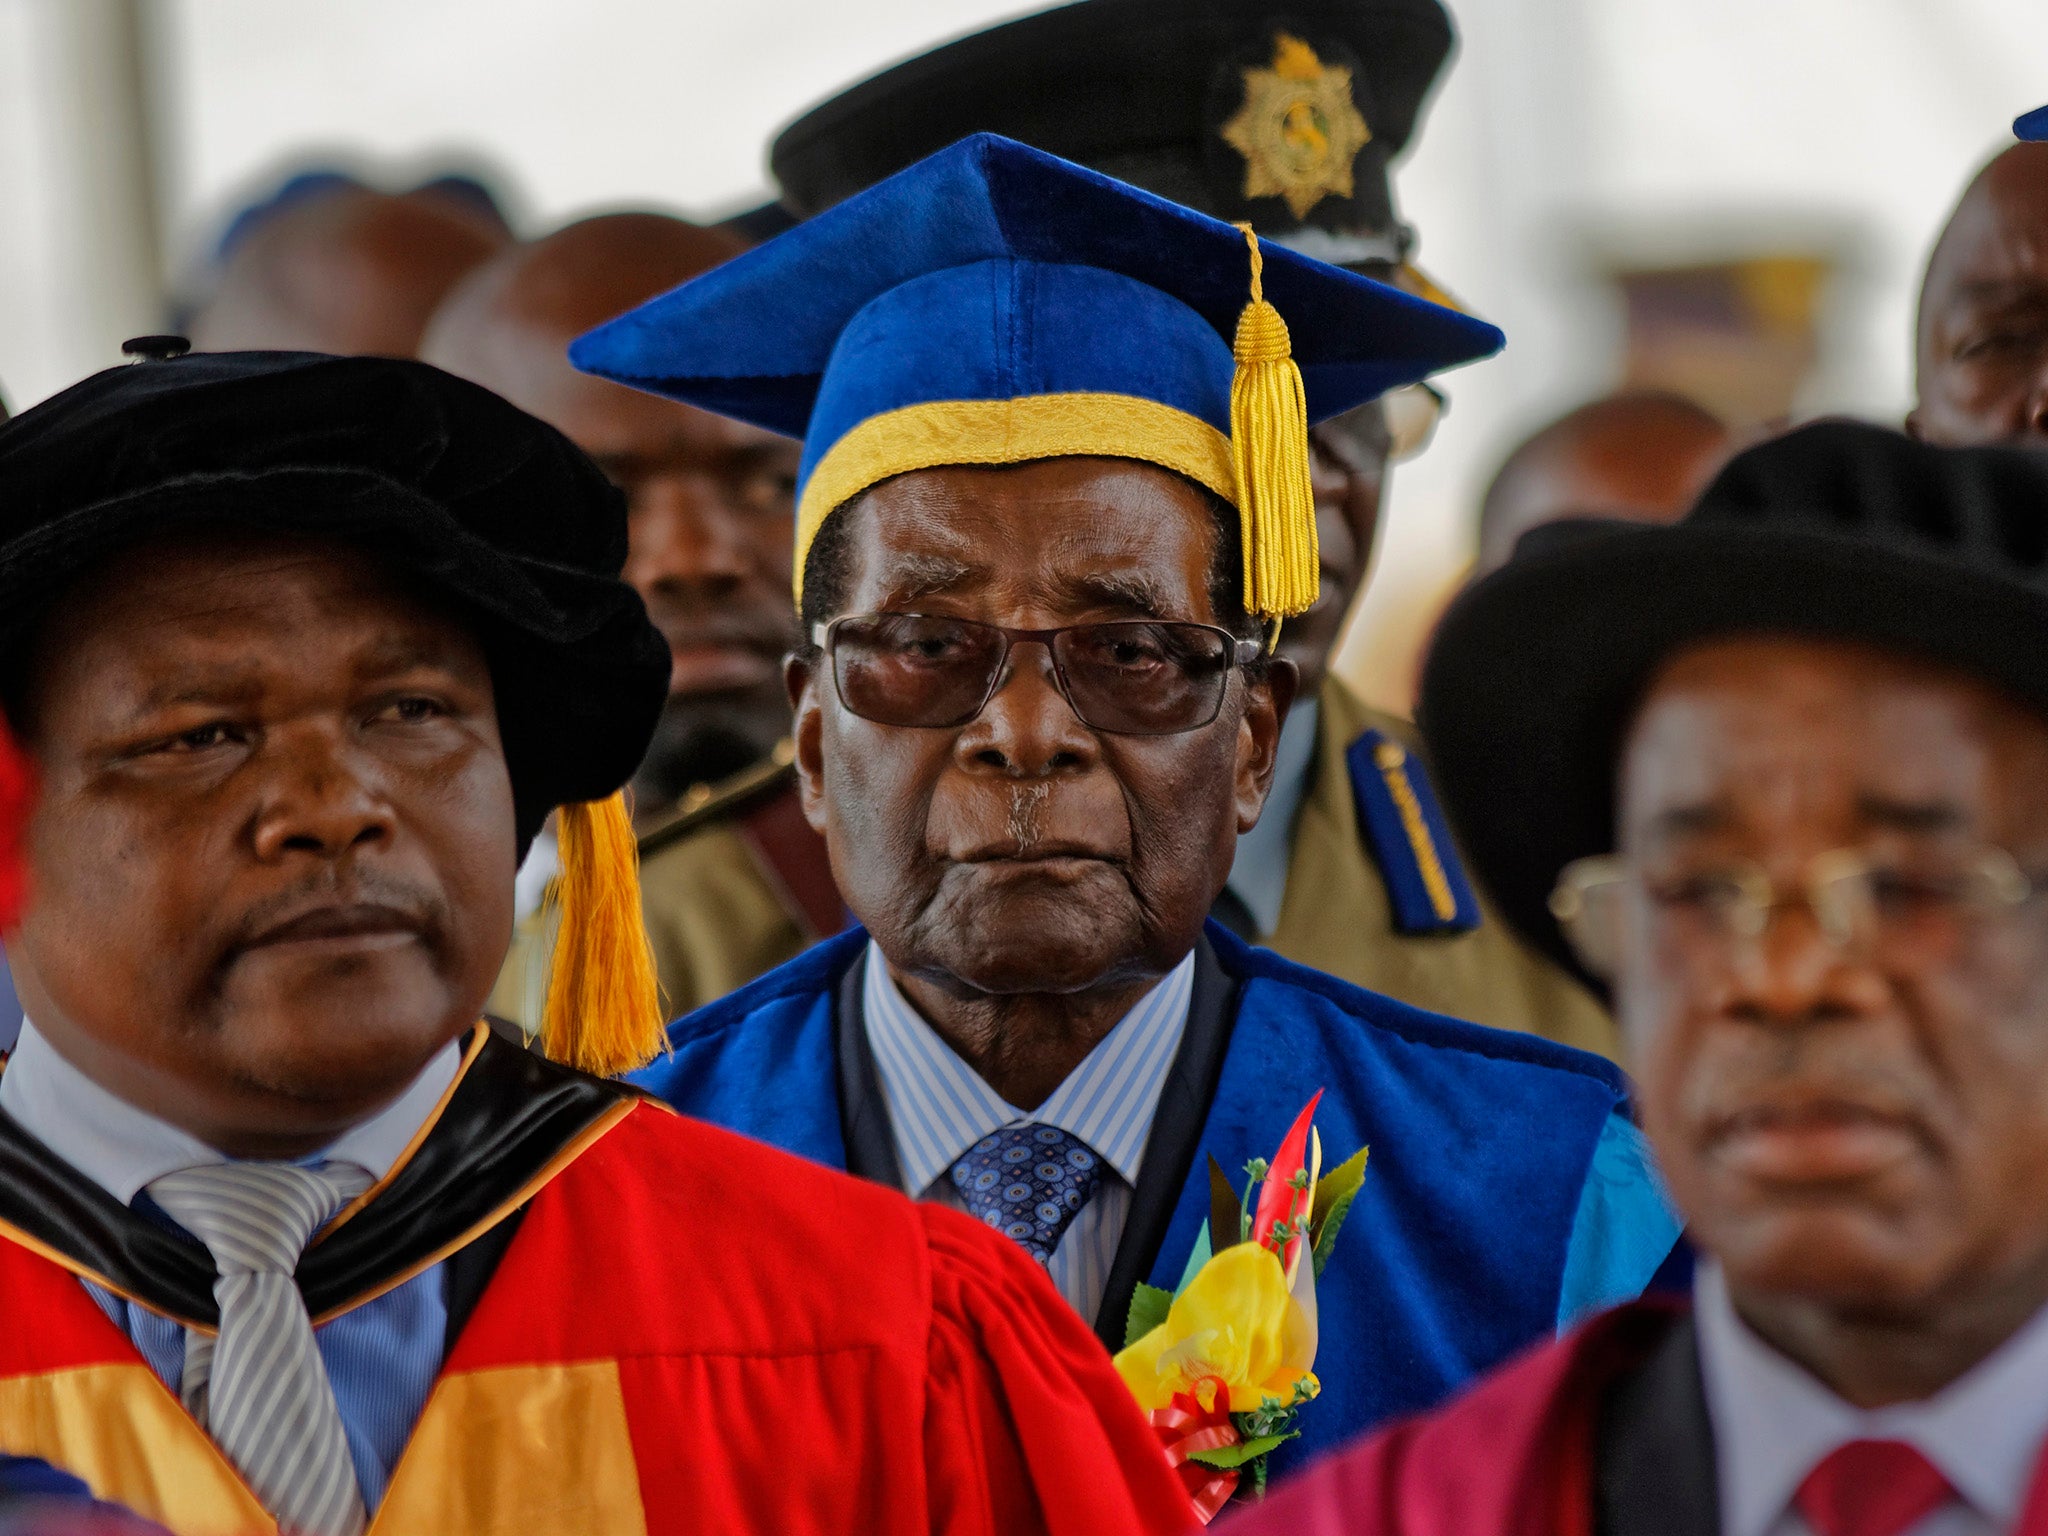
[(1454, 1254)]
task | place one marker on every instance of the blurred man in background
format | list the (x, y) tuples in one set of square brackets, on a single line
[(1287, 117), (1814, 731), (1981, 353), (1643, 455), (328, 264), (734, 879)]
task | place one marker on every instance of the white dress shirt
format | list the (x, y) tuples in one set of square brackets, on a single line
[(1774, 1423), (124, 1149), (939, 1108)]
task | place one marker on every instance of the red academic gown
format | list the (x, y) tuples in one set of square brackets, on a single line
[(688, 1332), (1514, 1456)]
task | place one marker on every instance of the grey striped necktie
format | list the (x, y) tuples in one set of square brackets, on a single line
[(261, 1388)]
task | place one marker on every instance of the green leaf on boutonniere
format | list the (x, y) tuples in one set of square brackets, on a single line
[(1198, 1255), (1339, 1187), (1227, 1457), (1148, 1311)]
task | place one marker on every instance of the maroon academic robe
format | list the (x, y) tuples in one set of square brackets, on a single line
[(1517, 1455)]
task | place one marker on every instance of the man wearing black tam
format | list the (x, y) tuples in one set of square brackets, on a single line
[(303, 650), (1793, 809)]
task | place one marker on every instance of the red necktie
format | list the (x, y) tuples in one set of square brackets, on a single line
[(1871, 1488)]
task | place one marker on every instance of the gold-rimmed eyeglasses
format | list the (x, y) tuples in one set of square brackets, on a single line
[(1861, 902)]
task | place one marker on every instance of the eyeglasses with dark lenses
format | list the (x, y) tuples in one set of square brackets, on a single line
[(1132, 677)]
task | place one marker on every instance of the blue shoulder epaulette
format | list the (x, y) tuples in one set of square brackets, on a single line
[(1411, 842)]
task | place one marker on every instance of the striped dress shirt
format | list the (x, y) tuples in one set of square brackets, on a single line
[(381, 1357), (939, 1108)]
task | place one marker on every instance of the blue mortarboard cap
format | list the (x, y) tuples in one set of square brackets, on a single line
[(2032, 126), (994, 304)]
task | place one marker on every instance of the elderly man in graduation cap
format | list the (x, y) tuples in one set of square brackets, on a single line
[(302, 650), (1798, 804), (1051, 514), (1289, 114)]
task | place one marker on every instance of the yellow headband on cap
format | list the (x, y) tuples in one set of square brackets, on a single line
[(1262, 468)]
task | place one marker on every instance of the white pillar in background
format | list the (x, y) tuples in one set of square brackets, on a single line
[(81, 265)]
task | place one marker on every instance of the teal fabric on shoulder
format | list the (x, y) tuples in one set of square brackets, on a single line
[(1411, 842), (1624, 1230)]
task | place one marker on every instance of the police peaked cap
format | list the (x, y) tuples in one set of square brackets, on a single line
[(1147, 91)]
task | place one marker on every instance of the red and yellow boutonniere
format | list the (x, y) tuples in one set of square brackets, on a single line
[(1224, 1364)]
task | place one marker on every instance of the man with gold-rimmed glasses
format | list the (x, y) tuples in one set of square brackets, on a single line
[(1811, 725)]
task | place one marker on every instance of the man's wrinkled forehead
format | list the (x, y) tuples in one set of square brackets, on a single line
[(929, 535), (1779, 735)]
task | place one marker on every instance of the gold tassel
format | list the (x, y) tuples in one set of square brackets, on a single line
[(603, 1011), (1269, 445)]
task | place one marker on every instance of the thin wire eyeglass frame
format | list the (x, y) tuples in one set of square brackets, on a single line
[(1241, 654)]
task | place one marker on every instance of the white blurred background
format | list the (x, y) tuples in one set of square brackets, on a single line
[(1572, 138)]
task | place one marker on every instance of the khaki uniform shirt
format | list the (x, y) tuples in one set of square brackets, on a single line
[(1337, 915)]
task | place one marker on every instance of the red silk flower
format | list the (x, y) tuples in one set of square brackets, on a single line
[(17, 791)]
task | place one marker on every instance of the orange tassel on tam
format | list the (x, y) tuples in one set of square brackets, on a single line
[(603, 1013)]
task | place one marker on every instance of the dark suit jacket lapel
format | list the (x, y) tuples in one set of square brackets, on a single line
[(1654, 1448), (1176, 1134), (1169, 1151), (863, 1112)]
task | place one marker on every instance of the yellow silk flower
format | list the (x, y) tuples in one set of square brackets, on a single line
[(1234, 1322)]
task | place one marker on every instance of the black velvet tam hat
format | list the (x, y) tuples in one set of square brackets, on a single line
[(490, 508), (1281, 115), (1836, 530)]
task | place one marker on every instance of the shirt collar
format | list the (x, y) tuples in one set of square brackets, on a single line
[(1258, 873), (124, 1149), (939, 1106), (1773, 1423)]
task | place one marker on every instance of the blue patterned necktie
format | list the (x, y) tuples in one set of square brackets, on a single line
[(1028, 1182)]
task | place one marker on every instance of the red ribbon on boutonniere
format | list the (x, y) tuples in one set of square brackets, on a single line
[(1186, 1429), (1223, 1365)]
